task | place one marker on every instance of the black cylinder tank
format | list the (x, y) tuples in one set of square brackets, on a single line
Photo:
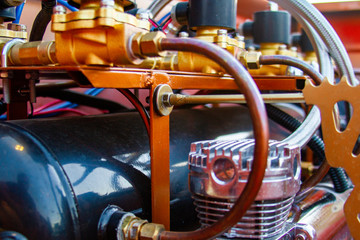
[(58, 175)]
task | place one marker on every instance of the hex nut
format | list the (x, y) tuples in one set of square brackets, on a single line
[(135, 44), (151, 231), (252, 60), (135, 229), (150, 42), (242, 57)]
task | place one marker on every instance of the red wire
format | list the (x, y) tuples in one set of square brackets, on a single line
[(139, 107), (61, 110), (153, 23), (47, 105), (167, 24)]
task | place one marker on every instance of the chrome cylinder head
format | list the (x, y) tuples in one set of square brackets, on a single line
[(219, 172)]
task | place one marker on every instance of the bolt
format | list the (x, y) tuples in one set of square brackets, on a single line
[(16, 27), (184, 34), (273, 6), (222, 32), (282, 47), (59, 9), (293, 49), (143, 16), (239, 37), (107, 3)]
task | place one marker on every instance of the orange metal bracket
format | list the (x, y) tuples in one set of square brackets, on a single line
[(339, 145)]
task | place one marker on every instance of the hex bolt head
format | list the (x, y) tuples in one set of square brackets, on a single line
[(143, 16), (59, 9), (222, 32), (16, 27), (107, 3), (282, 47), (239, 37)]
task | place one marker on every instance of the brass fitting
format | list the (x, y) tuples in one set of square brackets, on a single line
[(253, 60), (151, 231), (33, 53), (134, 228), (250, 59), (147, 44), (96, 35)]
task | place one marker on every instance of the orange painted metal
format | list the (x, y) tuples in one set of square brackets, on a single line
[(160, 162), (128, 78)]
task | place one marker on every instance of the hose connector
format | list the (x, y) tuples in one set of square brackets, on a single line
[(147, 44), (134, 228), (250, 59)]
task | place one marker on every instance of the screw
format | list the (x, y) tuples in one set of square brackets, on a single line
[(222, 32), (107, 3), (59, 9), (183, 34)]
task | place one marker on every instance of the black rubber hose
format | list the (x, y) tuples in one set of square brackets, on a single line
[(316, 144), (42, 20), (86, 100)]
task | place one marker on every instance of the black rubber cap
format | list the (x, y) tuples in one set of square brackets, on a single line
[(247, 29), (272, 27), (305, 43), (181, 13), (8, 14), (212, 13)]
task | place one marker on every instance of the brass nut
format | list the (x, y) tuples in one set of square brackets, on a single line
[(149, 44), (134, 229), (252, 60), (151, 231), (242, 57), (135, 44)]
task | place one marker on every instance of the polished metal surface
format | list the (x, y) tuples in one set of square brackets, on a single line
[(218, 173)]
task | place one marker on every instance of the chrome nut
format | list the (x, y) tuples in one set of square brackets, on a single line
[(149, 44), (252, 60), (151, 231)]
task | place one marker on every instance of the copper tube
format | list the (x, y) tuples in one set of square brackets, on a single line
[(314, 179), (294, 62), (317, 77), (260, 126)]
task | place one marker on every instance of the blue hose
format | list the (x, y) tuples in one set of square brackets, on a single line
[(68, 6), (18, 11)]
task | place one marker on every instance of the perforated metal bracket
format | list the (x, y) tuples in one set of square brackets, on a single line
[(339, 144)]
